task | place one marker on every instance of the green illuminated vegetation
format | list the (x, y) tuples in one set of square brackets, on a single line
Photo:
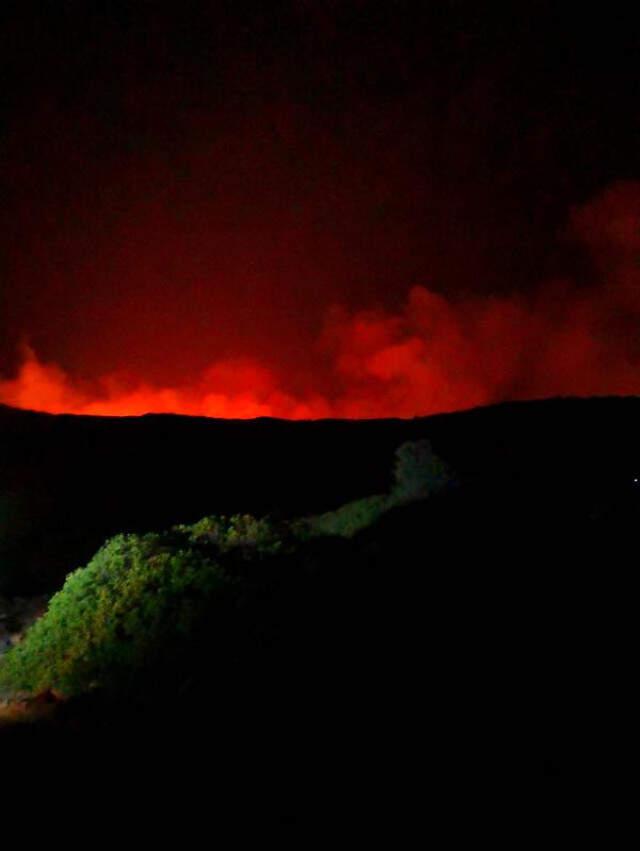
[(351, 518), (418, 474), (136, 595), (140, 596), (111, 613)]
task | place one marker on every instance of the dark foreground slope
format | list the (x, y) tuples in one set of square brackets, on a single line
[(477, 627), (496, 619)]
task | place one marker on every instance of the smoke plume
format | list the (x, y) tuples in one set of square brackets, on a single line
[(437, 353)]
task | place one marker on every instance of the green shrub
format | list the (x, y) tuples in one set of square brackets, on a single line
[(418, 472), (134, 598), (111, 614), (349, 519), (140, 592), (240, 531)]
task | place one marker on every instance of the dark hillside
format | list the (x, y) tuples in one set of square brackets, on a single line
[(66, 483), (457, 632), (496, 616)]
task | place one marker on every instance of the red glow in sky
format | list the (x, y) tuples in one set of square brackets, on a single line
[(432, 355), (316, 209)]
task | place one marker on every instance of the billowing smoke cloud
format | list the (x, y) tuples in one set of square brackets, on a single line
[(436, 354)]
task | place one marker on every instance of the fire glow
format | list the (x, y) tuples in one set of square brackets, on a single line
[(433, 357), (436, 354)]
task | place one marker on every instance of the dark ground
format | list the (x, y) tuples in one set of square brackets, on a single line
[(493, 624)]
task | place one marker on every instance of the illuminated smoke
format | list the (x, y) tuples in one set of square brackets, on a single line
[(436, 354)]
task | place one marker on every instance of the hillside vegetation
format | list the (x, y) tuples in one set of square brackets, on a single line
[(67, 483), (329, 604), (141, 597)]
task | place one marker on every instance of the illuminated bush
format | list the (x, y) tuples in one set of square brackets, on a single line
[(418, 472), (109, 616), (141, 593), (135, 597), (349, 519), (243, 531)]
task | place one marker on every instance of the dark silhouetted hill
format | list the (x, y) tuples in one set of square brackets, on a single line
[(67, 483)]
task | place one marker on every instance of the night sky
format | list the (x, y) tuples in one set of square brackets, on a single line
[(317, 208)]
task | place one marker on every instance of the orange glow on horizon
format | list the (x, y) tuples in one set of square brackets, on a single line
[(433, 356)]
